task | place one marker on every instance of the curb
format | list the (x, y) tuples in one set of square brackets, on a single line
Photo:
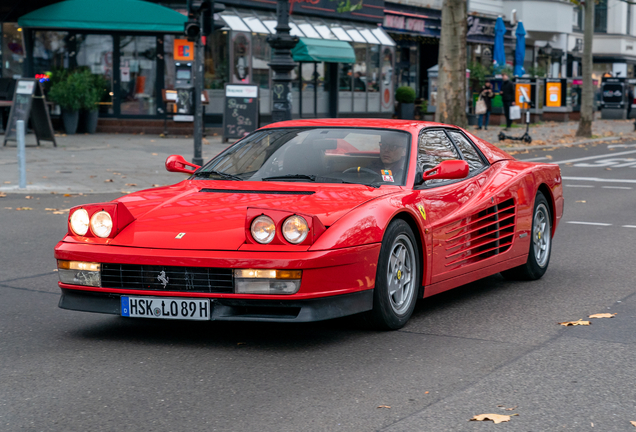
[(560, 145)]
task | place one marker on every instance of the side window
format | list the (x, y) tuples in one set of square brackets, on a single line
[(471, 156), (434, 147)]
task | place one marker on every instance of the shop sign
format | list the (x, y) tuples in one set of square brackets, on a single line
[(553, 91), (183, 50), (403, 23), (480, 27)]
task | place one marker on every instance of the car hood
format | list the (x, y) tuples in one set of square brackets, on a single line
[(212, 213)]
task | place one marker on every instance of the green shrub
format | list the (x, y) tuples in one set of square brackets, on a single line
[(77, 90), (405, 94), (67, 93)]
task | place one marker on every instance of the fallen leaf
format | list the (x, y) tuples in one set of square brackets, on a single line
[(633, 423), (155, 154), (50, 209), (108, 181), (205, 141), (93, 176), (581, 201), (7, 182), (425, 392), (575, 323), (548, 157), (384, 406), (9, 208), (241, 343), (496, 418), (131, 184), (23, 208), (2, 194), (28, 197), (602, 315), (155, 185), (60, 212), (116, 173), (67, 195), (608, 169)]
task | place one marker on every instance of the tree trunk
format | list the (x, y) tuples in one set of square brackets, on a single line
[(587, 96), (451, 80)]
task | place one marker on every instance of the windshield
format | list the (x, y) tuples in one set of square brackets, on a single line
[(322, 155)]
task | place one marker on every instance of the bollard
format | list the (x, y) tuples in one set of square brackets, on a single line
[(21, 153)]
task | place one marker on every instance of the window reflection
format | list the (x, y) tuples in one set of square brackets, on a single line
[(468, 151), (137, 75), (95, 52)]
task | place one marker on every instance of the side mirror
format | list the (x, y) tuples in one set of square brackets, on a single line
[(176, 163), (447, 170)]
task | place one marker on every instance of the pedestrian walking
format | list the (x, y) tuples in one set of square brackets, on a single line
[(486, 94), (508, 98)]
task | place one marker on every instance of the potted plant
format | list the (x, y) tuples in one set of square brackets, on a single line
[(405, 96), (92, 89), (67, 93)]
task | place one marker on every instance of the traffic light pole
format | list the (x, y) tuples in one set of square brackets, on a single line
[(198, 108), (282, 63)]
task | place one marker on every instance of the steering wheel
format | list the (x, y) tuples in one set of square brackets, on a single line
[(361, 169)]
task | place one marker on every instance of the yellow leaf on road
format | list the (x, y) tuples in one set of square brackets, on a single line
[(633, 423), (108, 181), (2, 194), (23, 208), (131, 184), (384, 406), (603, 315), (575, 323), (581, 201), (496, 418)]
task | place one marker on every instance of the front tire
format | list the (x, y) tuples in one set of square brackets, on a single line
[(540, 244), (397, 280)]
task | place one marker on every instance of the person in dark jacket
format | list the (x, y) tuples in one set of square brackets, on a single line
[(486, 94), (508, 98)]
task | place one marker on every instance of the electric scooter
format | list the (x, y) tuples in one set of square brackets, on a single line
[(526, 136)]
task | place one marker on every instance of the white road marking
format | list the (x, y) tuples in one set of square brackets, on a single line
[(612, 162), (534, 159), (599, 180), (595, 157), (621, 145), (616, 187), (629, 226), (583, 186), (589, 223)]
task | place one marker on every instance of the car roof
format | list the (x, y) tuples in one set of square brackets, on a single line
[(405, 125)]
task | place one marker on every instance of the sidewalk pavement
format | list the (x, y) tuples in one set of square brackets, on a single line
[(124, 163)]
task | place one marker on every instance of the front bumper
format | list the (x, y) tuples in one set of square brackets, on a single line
[(238, 309)]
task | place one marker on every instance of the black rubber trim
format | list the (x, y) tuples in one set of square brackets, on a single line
[(319, 309), (261, 192)]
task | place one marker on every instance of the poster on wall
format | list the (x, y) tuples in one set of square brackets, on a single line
[(553, 94), (522, 95)]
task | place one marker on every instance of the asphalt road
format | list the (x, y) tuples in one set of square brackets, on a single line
[(487, 346)]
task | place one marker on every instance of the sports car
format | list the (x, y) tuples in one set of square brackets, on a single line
[(310, 220)]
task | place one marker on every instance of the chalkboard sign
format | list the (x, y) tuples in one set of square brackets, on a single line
[(240, 112), (29, 103)]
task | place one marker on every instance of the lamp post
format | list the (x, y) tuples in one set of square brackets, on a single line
[(282, 63)]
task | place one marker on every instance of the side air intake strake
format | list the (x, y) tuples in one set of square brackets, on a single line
[(483, 235)]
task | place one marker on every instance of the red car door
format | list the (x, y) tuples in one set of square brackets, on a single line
[(470, 228)]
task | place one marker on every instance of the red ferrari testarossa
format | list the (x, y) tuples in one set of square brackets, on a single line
[(315, 219)]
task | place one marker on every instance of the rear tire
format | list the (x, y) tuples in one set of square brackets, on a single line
[(397, 280), (540, 244)]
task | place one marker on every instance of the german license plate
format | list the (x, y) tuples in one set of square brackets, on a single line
[(165, 308)]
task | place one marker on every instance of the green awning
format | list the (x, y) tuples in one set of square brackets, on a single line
[(106, 15), (323, 50)]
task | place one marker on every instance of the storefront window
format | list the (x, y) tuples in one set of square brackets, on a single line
[(373, 79), (241, 57), (50, 50), (314, 98), (261, 56), (360, 78), (12, 51), (96, 53), (406, 64), (138, 75)]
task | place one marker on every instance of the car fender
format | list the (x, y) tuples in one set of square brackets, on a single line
[(367, 223)]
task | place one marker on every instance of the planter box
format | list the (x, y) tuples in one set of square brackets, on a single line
[(407, 111)]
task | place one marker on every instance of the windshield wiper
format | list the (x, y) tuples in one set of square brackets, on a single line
[(291, 177), (219, 173), (314, 178)]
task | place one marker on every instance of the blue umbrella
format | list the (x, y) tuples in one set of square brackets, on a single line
[(520, 51), (499, 56)]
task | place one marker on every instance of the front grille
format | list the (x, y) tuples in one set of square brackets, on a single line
[(186, 279)]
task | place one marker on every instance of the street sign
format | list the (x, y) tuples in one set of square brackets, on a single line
[(29, 103)]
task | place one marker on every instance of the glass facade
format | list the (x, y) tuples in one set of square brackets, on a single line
[(96, 53), (13, 52)]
